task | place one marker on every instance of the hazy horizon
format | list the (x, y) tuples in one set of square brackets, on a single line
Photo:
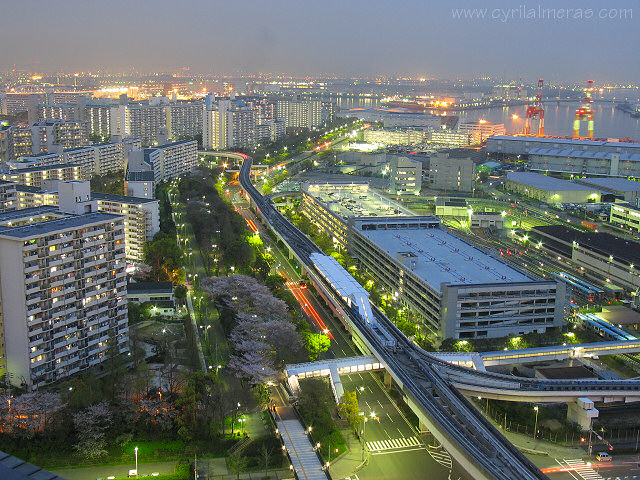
[(350, 38)]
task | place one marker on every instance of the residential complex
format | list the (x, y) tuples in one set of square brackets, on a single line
[(300, 113), (63, 270), (55, 136), (165, 161), (141, 215), (36, 176)]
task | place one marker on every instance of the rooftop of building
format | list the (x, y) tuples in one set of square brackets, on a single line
[(354, 199), (41, 155), (12, 468), (545, 182), (172, 144), (28, 188), (140, 288), (41, 168), (566, 141), (139, 176), (435, 255), (620, 315), (574, 153), (626, 251), (11, 215), (61, 222), (613, 183), (450, 202), (121, 198)]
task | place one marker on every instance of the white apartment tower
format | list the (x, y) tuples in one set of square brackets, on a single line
[(63, 305)]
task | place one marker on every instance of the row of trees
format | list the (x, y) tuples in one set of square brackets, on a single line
[(258, 325)]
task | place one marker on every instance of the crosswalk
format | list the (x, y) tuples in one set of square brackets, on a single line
[(394, 444), (585, 471), (441, 456)]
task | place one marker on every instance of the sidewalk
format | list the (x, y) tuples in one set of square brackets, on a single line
[(349, 462)]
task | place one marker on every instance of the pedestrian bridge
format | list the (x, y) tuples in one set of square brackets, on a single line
[(332, 368), (479, 361)]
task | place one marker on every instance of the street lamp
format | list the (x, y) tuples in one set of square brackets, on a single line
[(136, 453), (535, 429)]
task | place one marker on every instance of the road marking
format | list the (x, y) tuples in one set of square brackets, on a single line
[(390, 418), (380, 404), (368, 406), (394, 444), (582, 469)]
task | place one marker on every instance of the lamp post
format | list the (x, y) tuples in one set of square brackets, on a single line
[(136, 453), (535, 429)]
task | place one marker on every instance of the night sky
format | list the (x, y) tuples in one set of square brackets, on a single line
[(326, 37)]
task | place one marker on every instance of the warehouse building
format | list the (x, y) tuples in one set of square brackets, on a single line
[(602, 257), (549, 189), (622, 188)]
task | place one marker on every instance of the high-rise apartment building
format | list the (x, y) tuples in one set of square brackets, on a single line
[(63, 270), (300, 113), (37, 175), (184, 119), (141, 215), (15, 141), (57, 112), (146, 119), (8, 196), (58, 135), (229, 123), (165, 161)]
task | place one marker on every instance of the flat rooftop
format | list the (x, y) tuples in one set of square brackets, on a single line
[(438, 257), (558, 373), (565, 141), (544, 182), (352, 200), (64, 222), (603, 243), (612, 183)]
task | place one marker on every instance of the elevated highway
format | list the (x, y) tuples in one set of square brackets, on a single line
[(432, 387)]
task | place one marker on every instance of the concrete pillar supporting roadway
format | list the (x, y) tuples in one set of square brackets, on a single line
[(582, 412), (423, 427), (387, 379)]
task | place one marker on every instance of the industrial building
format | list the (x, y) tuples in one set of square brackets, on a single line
[(625, 216), (456, 290), (610, 260), (570, 155), (622, 188), (63, 289), (549, 189)]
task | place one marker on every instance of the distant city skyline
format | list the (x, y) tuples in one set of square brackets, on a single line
[(350, 38)]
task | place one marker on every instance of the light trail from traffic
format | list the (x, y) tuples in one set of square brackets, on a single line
[(305, 304)]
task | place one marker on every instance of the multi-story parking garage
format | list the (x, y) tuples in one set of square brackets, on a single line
[(457, 290)]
